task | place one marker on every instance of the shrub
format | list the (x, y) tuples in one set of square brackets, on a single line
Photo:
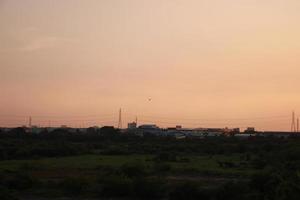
[(161, 167), (74, 186), (6, 194), (187, 191), (133, 169), (149, 188), (166, 157), (115, 186), (233, 191), (19, 181)]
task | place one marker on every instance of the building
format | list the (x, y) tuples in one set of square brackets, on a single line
[(150, 129), (250, 130), (132, 125), (148, 126), (178, 127)]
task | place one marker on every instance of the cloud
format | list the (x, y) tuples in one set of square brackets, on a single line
[(40, 43), (34, 39)]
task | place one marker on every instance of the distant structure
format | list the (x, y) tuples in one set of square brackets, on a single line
[(149, 126), (150, 129), (30, 122), (120, 119), (178, 127), (297, 125), (132, 125), (293, 125), (250, 130), (136, 121)]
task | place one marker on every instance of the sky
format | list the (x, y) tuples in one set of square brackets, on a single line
[(198, 63)]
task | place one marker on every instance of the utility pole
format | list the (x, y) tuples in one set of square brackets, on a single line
[(297, 125), (293, 126), (30, 122), (136, 121), (120, 119)]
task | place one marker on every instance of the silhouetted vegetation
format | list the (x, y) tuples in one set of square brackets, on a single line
[(105, 163)]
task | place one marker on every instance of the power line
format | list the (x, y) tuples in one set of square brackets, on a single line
[(216, 119), (69, 117), (90, 119), (56, 116), (202, 123)]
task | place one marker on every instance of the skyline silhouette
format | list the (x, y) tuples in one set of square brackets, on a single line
[(85, 121)]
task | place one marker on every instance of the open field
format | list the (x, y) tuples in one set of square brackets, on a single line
[(117, 166), (203, 170), (200, 164)]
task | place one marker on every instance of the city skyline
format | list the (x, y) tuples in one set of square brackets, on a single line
[(121, 121), (227, 62)]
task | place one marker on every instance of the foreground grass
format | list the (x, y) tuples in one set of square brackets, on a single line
[(194, 164)]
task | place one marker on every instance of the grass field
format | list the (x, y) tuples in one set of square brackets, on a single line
[(195, 164), (156, 168)]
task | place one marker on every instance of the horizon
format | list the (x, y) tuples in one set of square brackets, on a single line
[(43, 121), (195, 63)]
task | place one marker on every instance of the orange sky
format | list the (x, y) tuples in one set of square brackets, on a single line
[(204, 63)]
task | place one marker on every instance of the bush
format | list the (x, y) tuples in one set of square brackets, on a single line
[(166, 157), (74, 186), (6, 194), (161, 167), (277, 185), (115, 186), (133, 169), (19, 181), (258, 163), (149, 188), (234, 191), (187, 191)]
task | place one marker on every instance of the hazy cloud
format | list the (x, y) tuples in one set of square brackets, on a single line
[(40, 43), (30, 39)]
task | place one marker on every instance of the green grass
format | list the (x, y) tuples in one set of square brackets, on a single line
[(207, 165), (73, 162), (197, 164)]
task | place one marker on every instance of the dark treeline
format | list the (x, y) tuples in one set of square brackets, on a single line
[(19, 144), (276, 163)]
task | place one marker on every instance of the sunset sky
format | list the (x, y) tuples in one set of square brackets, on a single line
[(203, 63)]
